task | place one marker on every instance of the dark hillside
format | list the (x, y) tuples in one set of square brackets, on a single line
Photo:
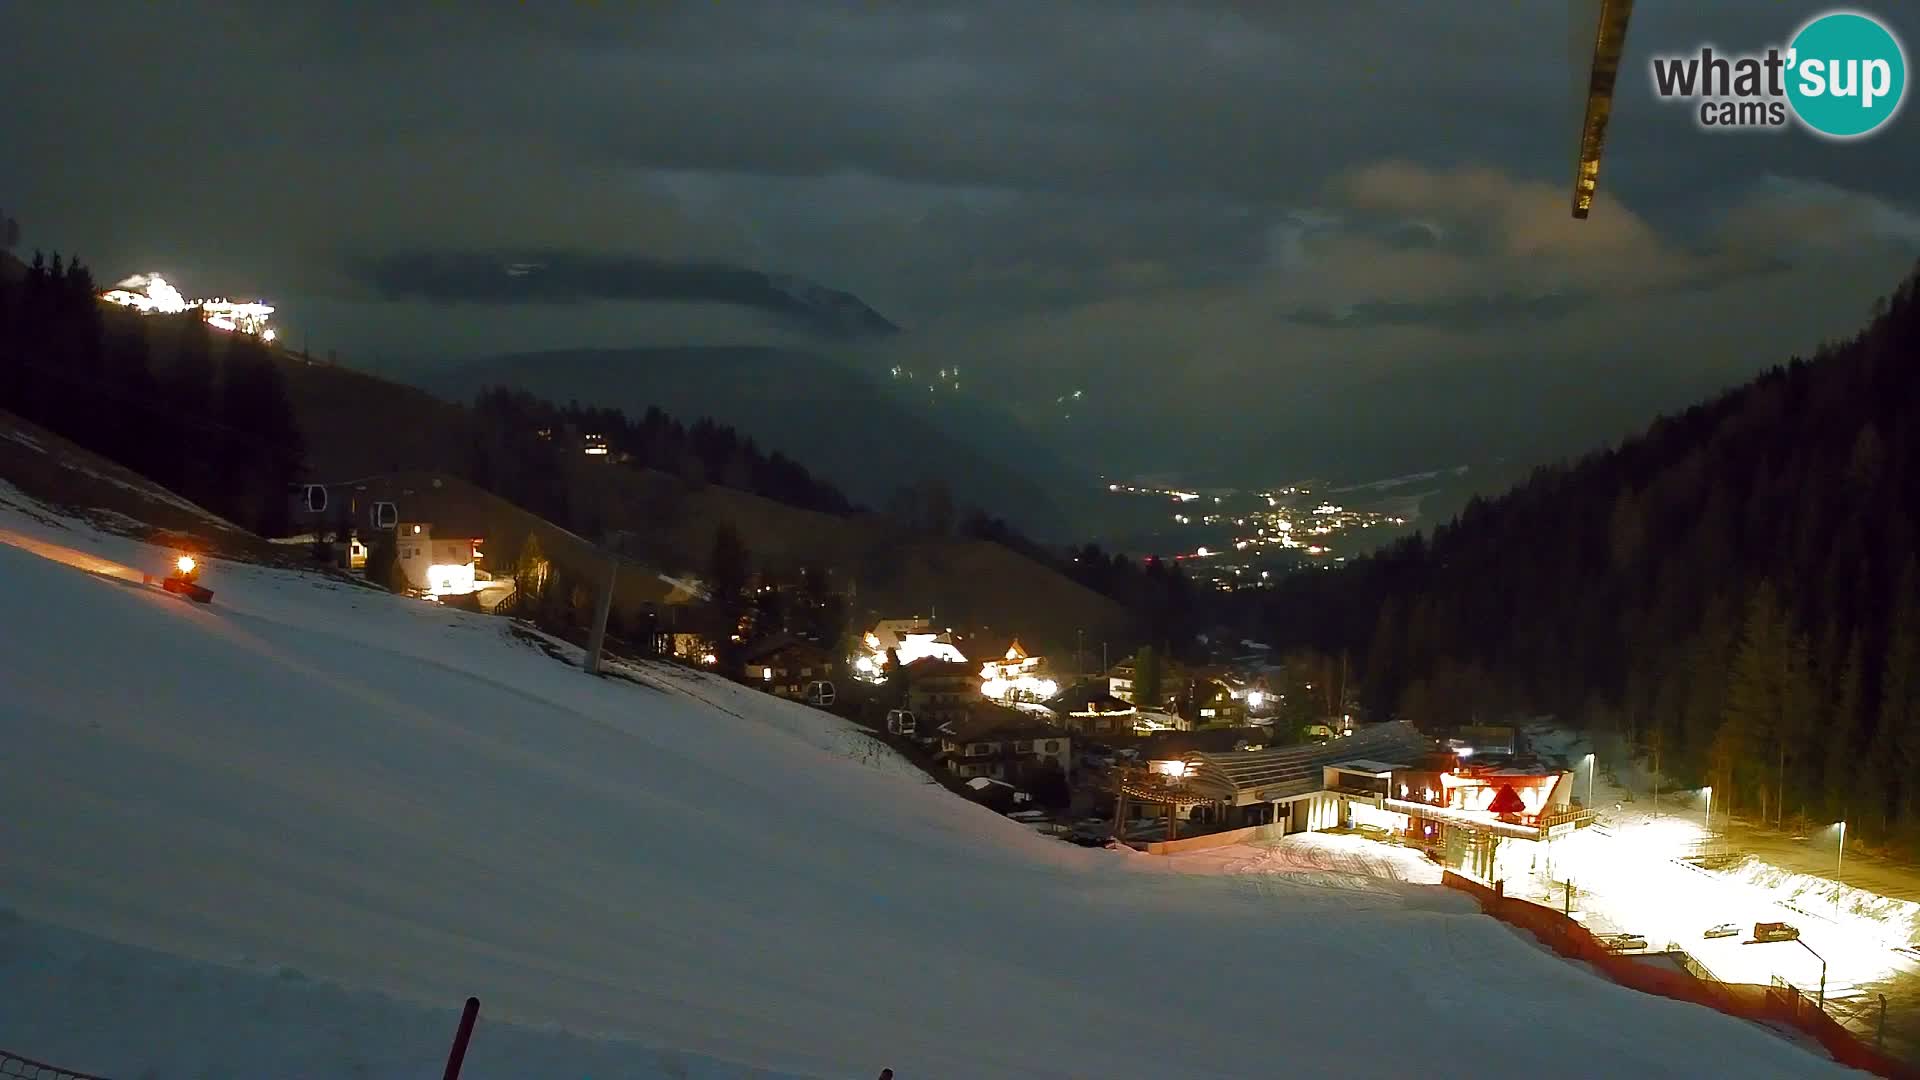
[(1735, 589)]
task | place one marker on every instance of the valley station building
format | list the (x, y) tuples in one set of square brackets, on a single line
[(1386, 777)]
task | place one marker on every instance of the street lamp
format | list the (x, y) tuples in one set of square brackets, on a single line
[(1709, 791), (1593, 766), (1840, 858)]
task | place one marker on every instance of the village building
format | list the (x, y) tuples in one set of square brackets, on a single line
[(1210, 702), (903, 641), (1001, 744), (1088, 709), (940, 692), (443, 564), (1017, 676), (785, 665), (1385, 777)]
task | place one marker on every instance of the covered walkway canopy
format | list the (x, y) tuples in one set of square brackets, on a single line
[(1247, 777)]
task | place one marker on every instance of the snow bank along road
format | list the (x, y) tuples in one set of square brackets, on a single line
[(390, 798)]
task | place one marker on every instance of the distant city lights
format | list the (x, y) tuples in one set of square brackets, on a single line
[(1258, 524)]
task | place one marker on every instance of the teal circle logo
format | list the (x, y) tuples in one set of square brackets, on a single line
[(1847, 75)]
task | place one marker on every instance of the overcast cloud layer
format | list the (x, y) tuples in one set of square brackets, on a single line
[(1286, 238)]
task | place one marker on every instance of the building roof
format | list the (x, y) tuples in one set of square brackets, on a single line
[(1363, 765), (1283, 772), (452, 509), (1084, 697), (934, 667), (1169, 745), (996, 724), (778, 643)]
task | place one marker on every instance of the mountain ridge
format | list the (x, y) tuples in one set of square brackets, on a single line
[(848, 428)]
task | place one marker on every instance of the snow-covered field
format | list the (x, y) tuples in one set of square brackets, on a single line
[(1325, 860), (286, 835)]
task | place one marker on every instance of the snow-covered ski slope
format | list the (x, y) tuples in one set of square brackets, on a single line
[(287, 834)]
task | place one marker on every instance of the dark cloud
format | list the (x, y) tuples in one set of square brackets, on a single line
[(563, 277), (1462, 314), (1167, 203)]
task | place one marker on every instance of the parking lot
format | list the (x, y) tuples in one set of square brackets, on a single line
[(1630, 878)]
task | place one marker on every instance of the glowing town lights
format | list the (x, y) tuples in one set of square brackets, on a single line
[(766, 674), (1203, 553), (1255, 699), (1169, 768)]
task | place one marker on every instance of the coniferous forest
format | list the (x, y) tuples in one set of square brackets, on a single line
[(198, 410), (1735, 591)]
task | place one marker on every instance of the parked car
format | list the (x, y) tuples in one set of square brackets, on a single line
[(1775, 931), (1725, 929), (1091, 834), (1622, 942)]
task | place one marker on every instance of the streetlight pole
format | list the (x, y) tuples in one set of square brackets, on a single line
[(1839, 860), (1593, 766), (1709, 811)]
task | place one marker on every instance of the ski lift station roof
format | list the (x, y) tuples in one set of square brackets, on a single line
[(1375, 768), (1257, 776)]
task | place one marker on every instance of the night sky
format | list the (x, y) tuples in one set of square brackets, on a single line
[(1282, 236)]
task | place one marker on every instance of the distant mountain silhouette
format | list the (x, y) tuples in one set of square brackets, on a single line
[(548, 277), (865, 436)]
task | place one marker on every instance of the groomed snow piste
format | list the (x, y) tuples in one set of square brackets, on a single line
[(286, 836)]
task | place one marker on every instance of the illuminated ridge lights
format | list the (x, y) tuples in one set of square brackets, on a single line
[(151, 294)]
